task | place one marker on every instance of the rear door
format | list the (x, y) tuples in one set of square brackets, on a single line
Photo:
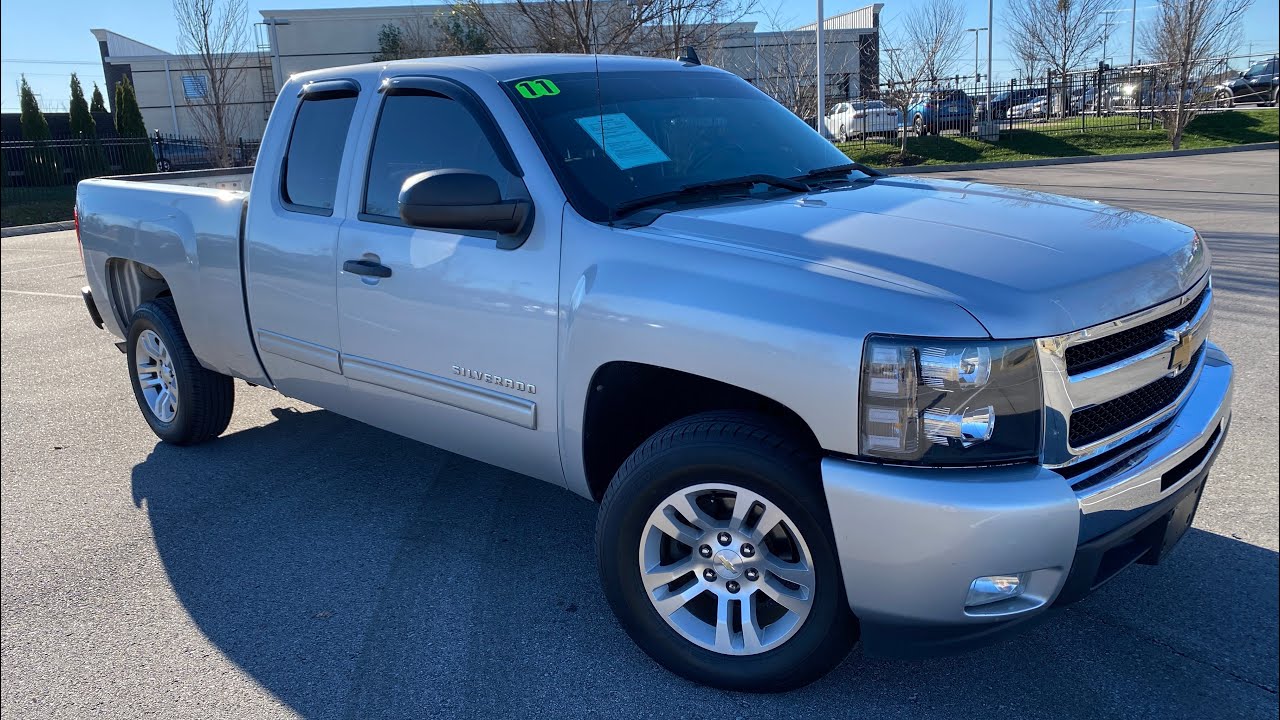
[(292, 237), (457, 345)]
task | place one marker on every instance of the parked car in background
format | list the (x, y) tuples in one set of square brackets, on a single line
[(862, 118), (1037, 107), (1001, 102), (181, 155), (1256, 85), (935, 110)]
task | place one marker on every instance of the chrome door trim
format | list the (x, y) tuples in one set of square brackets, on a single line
[(490, 403), (325, 358)]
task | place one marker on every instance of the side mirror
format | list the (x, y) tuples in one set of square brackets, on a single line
[(451, 199)]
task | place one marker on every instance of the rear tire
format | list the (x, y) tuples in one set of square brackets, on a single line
[(919, 126), (708, 460), (183, 402)]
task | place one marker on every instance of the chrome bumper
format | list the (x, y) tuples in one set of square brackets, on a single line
[(911, 540)]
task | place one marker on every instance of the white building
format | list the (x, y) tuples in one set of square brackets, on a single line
[(169, 86)]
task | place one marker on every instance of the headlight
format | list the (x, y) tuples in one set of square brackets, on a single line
[(950, 402)]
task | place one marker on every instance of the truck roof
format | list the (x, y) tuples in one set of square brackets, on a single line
[(508, 66)]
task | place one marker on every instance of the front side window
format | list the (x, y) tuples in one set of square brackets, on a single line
[(314, 157), (618, 136), (419, 131), (1258, 69)]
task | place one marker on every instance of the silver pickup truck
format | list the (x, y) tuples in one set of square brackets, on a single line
[(816, 403)]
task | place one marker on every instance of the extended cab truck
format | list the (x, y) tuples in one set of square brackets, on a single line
[(816, 403)]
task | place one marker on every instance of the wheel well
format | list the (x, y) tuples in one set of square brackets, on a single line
[(628, 402), (130, 284)]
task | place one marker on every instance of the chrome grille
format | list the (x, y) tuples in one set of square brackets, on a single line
[(1098, 422), (1108, 385), (1106, 350)]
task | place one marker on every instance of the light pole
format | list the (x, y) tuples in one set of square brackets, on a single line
[(1133, 29), (990, 24), (822, 78), (976, 31)]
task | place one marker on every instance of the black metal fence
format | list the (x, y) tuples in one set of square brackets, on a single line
[(38, 177), (1100, 99)]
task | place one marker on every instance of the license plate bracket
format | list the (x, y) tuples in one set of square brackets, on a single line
[(1180, 519)]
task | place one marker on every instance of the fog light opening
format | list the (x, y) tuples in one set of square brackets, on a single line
[(994, 588)]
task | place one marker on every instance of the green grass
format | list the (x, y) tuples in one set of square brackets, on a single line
[(31, 205), (1213, 130)]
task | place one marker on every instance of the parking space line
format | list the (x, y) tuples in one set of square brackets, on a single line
[(41, 267), (41, 294)]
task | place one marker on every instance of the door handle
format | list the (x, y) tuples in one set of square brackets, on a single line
[(367, 268)]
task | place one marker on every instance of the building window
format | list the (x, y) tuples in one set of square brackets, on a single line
[(195, 87)]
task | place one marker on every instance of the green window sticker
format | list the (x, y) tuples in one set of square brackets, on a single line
[(532, 89)]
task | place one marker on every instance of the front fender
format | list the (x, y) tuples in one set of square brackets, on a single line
[(788, 330)]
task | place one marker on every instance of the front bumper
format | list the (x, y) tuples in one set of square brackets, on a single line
[(911, 540)]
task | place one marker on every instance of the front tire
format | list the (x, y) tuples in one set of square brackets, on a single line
[(717, 555), (919, 126), (183, 402), (1224, 99)]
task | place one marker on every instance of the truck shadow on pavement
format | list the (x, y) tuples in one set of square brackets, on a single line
[(353, 573)]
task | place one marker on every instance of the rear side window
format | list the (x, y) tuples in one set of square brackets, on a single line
[(420, 131), (314, 157)]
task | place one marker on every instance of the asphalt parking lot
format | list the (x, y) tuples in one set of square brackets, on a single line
[(308, 565)]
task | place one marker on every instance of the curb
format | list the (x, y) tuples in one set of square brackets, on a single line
[(34, 229), (960, 167)]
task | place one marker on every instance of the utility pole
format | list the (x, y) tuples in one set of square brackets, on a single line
[(1106, 30), (976, 31), (822, 75)]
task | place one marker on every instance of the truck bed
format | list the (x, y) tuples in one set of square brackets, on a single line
[(178, 233)]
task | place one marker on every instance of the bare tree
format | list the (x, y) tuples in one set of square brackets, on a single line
[(1026, 56), (785, 65), (922, 48), (933, 31), (568, 26), (213, 35), (1183, 35), (1064, 34), (655, 27)]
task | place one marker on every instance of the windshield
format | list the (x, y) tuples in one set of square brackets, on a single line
[(658, 132)]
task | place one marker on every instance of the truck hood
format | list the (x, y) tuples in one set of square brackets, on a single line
[(1024, 263)]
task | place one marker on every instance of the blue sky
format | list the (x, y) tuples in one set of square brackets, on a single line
[(49, 40)]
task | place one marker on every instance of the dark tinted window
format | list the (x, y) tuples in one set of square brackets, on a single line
[(419, 132), (315, 152), (625, 135)]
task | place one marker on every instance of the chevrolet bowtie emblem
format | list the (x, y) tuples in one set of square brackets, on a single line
[(727, 565), (1183, 349)]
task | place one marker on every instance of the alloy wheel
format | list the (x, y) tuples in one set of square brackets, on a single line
[(156, 376), (727, 569)]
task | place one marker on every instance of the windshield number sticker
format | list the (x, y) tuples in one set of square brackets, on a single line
[(622, 140), (533, 89)]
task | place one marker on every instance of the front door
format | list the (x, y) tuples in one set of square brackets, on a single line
[(457, 345)]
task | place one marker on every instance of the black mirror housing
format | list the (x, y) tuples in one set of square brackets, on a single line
[(451, 199)]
